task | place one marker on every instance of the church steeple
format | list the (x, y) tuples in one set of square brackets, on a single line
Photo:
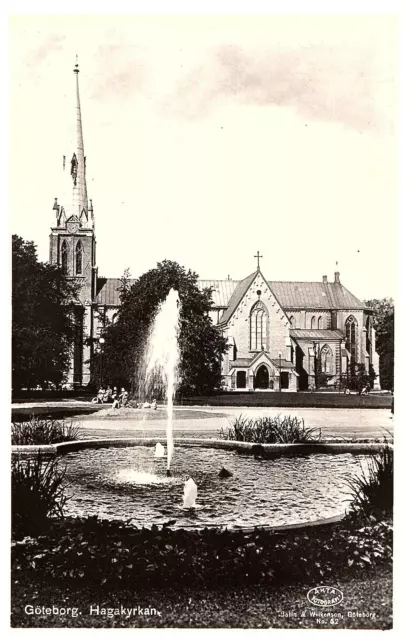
[(78, 168), (74, 207)]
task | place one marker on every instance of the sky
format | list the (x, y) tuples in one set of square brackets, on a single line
[(209, 138)]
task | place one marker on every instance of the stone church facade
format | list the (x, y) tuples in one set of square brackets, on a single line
[(278, 333)]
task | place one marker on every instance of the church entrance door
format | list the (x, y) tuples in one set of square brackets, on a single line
[(261, 380), (241, 380)]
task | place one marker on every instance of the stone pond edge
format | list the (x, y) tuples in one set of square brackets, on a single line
[(263, 450)]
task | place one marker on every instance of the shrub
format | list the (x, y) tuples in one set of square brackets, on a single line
[(37, 494), (372, 489), (270, 430), (43, 431)]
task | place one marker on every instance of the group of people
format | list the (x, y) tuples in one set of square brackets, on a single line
[(120, 399), (108, 395)]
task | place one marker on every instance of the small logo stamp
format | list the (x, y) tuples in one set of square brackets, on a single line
[(324, 596)]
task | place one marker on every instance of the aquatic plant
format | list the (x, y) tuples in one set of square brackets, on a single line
[(270, 430), (37, 493), (37, 431), (372, 488)]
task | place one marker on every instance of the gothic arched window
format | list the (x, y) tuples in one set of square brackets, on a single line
[(320, 323), (313, 322), (292, 322), (351, 326), (326, 359), (258, 327), (64, 258), (78, 257)]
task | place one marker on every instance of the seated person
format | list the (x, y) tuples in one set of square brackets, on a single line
[(124, 397)]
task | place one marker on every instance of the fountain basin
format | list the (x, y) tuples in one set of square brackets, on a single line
[(129, 483)]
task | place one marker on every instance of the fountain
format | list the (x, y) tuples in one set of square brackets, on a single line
[(161, 359), (159, 451), (190, 493)]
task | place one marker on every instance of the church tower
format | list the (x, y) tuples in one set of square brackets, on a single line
[(73, 244)]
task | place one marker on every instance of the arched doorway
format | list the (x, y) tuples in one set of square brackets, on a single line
[(261, 380)]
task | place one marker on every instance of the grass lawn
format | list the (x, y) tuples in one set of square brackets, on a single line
[(240, 607), (289, 399)]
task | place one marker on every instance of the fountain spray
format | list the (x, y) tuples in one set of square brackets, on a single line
[(162, 357)]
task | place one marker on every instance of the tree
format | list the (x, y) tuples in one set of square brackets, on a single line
[(358, 378), (383, 323), (43, 327), (201, 343)]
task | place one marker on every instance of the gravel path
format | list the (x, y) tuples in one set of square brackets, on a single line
[(206, 422)]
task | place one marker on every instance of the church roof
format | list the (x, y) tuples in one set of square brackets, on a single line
[(315, 334), (107, 291), (237, 295), (291, 295), (285, 364), (221, 290), (315, 295), (241, 362), (228, 293)]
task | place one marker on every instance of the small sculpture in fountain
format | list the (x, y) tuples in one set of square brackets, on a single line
[(190, 493), (159, 451)]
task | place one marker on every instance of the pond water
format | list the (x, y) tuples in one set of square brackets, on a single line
[(131, 484)]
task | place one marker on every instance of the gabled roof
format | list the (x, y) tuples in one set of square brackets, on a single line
[(237, 295), (291, 295), (227, 294)]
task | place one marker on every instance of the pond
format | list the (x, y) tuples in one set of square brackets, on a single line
[(131, 484)]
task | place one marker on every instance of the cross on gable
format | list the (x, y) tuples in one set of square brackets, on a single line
[(258, 256)]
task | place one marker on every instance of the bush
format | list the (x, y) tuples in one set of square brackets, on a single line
[(106, 556), (37, 494), (43, 432), (284, 430), (372, 490)]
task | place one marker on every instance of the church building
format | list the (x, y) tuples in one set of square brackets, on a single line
[(281, 336)]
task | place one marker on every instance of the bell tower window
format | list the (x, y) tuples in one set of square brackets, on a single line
[(78, 258), (64, 258)]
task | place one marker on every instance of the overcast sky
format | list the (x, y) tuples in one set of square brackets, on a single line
[(209, 138)]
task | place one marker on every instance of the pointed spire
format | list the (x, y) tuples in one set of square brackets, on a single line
[(80, 196)]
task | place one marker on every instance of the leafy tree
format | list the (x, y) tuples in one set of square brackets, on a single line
[(383, 323), (358, 378), (201, 344), (43, 327)]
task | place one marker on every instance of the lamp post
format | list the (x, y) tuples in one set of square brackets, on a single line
[(316, 359), (279, 363), (101, 343)]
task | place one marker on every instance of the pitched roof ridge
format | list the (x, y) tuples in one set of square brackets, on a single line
[(217, 279), (236, 297)]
